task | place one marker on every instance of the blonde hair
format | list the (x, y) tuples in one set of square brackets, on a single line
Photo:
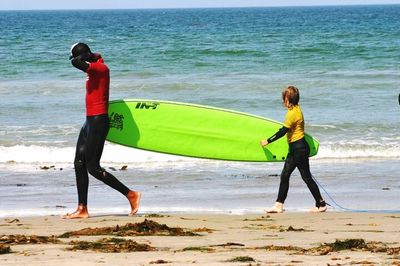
[(292, 94)]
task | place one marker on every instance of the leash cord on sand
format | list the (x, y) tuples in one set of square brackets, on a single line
[(347, 209)]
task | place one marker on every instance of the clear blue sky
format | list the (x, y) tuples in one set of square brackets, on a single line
[(101, 4)]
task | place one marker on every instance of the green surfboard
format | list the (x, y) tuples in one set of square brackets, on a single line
[(196, 131)]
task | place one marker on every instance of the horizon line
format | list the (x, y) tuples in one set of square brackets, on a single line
[(198, 7)]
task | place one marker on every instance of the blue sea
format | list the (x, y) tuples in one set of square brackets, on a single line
[(344, 59)]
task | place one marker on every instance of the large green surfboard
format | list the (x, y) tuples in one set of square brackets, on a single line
[(196, 131)]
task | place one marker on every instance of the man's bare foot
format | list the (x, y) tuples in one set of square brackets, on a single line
[(277, 208), (80, 213), (134, 200)]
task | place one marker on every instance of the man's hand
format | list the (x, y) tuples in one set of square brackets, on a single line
[(81, 61)]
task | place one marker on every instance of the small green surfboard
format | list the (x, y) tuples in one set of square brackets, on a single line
[(196, 131)]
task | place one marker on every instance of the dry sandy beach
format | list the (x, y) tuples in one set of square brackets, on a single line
[(332, 238)]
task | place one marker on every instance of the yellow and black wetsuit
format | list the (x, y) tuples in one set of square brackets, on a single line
[(297, 156)]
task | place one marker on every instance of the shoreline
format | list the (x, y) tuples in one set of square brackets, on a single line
[(291, 238), (219, 188)]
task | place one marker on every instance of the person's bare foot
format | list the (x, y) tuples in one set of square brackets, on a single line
[(277, 208), (134, 200), (80, 213), (319, 209)]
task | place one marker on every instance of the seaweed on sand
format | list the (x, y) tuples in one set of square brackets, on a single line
[(147, 227), (24, 239), (201, 249), (110, 245), (241, 259), (4, 249), (339, 245)]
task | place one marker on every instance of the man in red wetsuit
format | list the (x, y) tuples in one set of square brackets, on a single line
[(93, 133)]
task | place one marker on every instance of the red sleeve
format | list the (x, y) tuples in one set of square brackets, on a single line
[(97, 67)]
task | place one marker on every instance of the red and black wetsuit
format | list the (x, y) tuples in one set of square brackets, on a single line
[(93, 133)]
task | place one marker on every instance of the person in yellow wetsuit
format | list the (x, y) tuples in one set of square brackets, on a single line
[(298, 152)]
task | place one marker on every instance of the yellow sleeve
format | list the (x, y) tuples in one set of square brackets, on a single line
[(289, 119)]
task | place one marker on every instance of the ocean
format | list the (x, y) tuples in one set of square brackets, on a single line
[(344, 59)]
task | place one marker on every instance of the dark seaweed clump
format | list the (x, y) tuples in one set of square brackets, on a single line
[(110, 245), (339, 245), (23, 239), (4, 249), (147, 227), (241, 259)]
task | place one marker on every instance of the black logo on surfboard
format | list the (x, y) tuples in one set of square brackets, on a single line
[(147, 105), (116, 121)]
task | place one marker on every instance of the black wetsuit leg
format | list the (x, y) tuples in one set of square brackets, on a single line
[(81, 174), (299, 157), (89, 150), (287, 170)]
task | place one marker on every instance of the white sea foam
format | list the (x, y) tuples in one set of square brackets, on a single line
[(358, 149), (27, 212), (119, 154), (112, 153)]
